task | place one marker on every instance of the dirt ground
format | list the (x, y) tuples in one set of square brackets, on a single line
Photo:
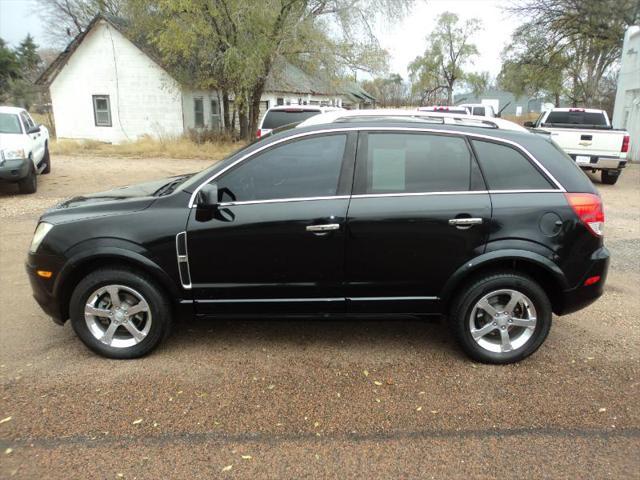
[(314, 399)]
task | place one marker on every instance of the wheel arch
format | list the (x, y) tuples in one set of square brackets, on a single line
[(546, 273), (84, 263)]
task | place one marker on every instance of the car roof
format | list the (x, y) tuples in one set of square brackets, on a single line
[(448, 118), (301, 108), (14, 110)]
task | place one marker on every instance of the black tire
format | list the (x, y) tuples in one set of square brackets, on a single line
[(47, 160), (463, 306), (608, 178), (29, 184), (159, 308)]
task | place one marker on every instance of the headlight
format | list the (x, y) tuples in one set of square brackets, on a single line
[(17, 154), (38, 236)]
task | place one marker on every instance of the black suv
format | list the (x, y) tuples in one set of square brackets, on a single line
[(494, 229)]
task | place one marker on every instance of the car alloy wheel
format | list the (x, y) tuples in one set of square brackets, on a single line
[(503, 321), (118, 316)]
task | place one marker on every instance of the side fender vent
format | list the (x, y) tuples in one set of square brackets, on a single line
[(183, 260)]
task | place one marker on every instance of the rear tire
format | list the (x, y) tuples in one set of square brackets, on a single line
[(501, 318), (102, 314), (608, 178), (29, 184), (47, 160)]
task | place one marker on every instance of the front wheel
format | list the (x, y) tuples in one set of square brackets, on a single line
[(120, 313), (609, 178), (46, 159), (501, 318), (29, 184)]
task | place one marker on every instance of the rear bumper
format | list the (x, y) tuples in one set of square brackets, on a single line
[(600, 163), (575, 299), (14, 170)]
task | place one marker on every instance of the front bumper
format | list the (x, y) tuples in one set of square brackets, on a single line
[(599, 163), (14, 170), (43, 288), (575, 299)]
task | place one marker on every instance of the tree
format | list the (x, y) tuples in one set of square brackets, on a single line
[(232, 45), (477, 82), (448, 50), (9, 69), (65, 19), (567, 46), (390, 91)]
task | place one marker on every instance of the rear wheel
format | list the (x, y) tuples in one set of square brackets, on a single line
[(29, 184), (609, 178), (119, 313), (501, 318)]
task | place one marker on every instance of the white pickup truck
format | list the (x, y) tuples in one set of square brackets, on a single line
[(587, 136), (24, 149)]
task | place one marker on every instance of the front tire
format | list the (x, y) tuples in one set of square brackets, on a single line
[(608, 178), (29, 184), (120, 313), (501, 318)]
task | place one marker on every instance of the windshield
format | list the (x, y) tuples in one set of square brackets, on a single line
[(9, 123), (278, 118), (577, 118)]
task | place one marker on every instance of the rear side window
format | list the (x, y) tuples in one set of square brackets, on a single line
[(505, 168), (479, 111), (577, 118), (278, 118), (415, 163)]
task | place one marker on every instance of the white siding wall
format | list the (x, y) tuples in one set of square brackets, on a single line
[(626, 112), (144, 99)]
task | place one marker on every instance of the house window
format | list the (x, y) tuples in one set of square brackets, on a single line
[(198, 112), (102, 110), (215, 114), (279, 101)]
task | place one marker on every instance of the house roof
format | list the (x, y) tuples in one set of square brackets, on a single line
[(283, 78)]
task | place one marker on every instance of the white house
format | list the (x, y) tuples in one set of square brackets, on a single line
[(106, 86), (626, 111)]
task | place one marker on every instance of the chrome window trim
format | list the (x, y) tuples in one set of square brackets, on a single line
[(283, 200), (516, 145)]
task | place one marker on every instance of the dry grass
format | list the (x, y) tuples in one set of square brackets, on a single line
[(147, 147), (527, 117)]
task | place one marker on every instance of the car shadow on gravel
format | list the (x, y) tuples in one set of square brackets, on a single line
[(428, 334)]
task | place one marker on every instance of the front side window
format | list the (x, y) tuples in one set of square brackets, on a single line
[(198, 112), (415, 163), (27, 122), (303, 168), (102, 110), (505, 168)]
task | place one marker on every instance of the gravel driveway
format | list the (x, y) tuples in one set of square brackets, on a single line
[(314, 399)]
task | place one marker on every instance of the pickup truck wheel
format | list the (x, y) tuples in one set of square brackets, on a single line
[(29, 184), (120, 313), (608, 178), (501, 318), (46, 159)]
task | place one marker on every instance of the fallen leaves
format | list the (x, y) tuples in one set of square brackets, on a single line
[(227, 468), (602, 410), (378, 383), (8, 451), (6, 419), (419, 409), (137, 422), (366, 373), (247, 457)]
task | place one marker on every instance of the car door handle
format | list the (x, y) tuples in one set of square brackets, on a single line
[(323, 228), (465, 222)]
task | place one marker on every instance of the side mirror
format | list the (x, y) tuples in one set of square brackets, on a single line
[(34, 129), (207, 196), (529, 124)]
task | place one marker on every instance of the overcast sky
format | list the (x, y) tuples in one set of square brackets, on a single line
[(404, 41)]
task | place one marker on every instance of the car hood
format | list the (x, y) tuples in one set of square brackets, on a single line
[(119, 200), (11, 141)]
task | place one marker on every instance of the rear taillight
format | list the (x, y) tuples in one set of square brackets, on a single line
[(588, 208), (625, 143), (258, 133)]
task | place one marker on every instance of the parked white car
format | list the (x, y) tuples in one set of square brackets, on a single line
[(277, 117), (479, 109), (587, 136), (418, 115), (24, 149)]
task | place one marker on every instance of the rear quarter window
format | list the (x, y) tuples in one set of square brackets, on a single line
[(505, 168)]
